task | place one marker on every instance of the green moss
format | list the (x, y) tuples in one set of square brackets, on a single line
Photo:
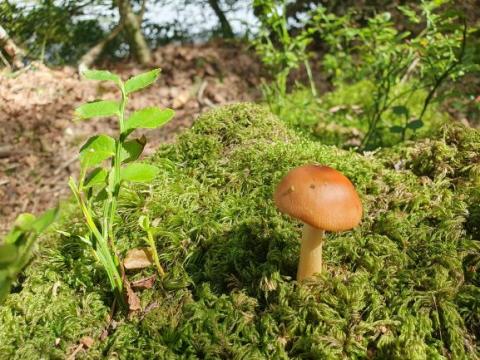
[(403, 285)]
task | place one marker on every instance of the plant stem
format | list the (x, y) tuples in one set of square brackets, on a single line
[(153, 248), (115, 186), (310, 78), (444, 75), (103, 250)]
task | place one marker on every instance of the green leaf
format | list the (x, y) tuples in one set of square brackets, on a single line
[(23, 224), (15, 235), (25, 221), (102, 195), (396, 129), (131, 150), (100, 75), (139, 172), (149, 118), (97, 108), (95, 177), (400, 110), (8, 255), (144, 222), (415, 124), (96, 149), (140, 81), (45, 220)]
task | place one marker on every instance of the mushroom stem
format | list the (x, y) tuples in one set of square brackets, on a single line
[(310, 252)]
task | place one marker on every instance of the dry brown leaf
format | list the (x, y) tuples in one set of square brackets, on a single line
[(87, 341), (337, 108), (181, 99), (145, 283), (137, 259), (132, 299)]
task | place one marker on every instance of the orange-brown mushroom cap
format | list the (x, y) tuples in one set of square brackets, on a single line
[(319, 196)]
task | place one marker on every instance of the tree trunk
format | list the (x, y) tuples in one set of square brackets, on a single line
[(132, 26), (11, 49), (225, 25)]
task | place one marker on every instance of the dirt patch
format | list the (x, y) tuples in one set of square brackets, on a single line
[(39, 141)]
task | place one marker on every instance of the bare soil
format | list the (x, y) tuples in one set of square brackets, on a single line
[(39, 140)]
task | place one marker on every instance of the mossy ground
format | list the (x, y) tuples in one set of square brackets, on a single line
[(403, 285)]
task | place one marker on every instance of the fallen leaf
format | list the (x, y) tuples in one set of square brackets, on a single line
[(87, 341), (181, 99), (337, 108), (104, 334), (145, 283), (132, 298), (137, 259), (55, 287)]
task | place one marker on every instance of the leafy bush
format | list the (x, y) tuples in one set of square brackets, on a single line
[(340, 117), (280, 51), (403, 285), (400, 67), (398, 64)]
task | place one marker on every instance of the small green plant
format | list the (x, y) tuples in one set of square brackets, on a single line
[(17, 247), (98, 188), (144, 222), (401, 65), (280, 51), (409, 124)]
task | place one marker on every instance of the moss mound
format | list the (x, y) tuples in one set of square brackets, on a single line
[(404, 285)]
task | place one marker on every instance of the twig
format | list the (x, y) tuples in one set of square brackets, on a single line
[(5, 61), (104, 333), (200, 98), (447, 72), (76, 351), (409, 71), (141, 13)]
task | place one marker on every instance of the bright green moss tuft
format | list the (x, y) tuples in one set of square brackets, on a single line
[(403, 285)]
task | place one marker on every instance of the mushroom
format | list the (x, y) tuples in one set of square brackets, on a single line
[(324, 200)]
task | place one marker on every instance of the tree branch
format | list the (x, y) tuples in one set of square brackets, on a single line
[(225, 25), (11, 49), (92, 55), (444, 75)]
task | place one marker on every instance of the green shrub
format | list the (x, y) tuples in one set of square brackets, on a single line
[(340, 117), (403, 285), (406, 72)]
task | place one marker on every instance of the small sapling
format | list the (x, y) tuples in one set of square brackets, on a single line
[(98, 187)]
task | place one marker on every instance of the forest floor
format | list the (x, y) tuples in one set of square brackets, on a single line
[(39, 140)]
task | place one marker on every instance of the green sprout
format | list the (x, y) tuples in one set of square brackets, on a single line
[(98, 187), (144, 222)]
